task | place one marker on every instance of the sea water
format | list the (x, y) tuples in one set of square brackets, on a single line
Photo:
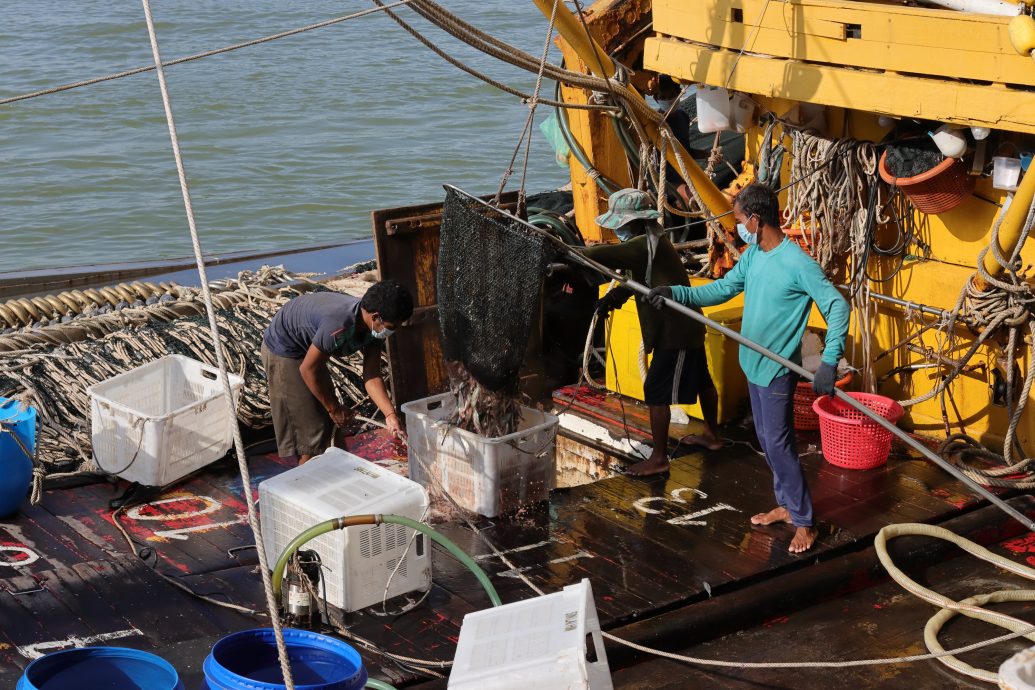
[(287, 144)]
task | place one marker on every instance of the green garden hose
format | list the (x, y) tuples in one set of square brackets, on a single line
[(351, 521)]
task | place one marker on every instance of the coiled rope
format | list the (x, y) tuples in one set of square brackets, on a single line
[(51, 368), (971, 606)]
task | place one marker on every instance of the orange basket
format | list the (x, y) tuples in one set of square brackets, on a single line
[(942, 188), (851, 440), (805, 418)]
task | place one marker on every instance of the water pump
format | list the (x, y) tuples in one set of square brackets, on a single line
[(300, 601)]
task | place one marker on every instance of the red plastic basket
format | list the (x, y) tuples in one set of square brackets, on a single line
[(942, 188), (851, 440), (805, 419)]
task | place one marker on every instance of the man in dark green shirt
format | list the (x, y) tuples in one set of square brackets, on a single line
[(678, 371)]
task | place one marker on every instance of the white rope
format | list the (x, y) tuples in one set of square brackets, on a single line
[(271, 604)]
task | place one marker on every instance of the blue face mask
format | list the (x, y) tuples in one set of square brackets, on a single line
[(624, 233), (748, 237)]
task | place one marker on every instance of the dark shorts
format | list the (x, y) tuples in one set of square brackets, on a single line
[(300, 422), (676, 377)]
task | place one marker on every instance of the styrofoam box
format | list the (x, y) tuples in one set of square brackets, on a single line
[(161, 421), (359, 560), (537, 643), (488, 476)]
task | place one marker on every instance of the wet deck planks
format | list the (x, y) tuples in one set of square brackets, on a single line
[(882, 621), (648, 546)]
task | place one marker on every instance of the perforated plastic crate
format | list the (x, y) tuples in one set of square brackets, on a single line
[(359, 560), (488, 476), (538, 643), (161, 421)]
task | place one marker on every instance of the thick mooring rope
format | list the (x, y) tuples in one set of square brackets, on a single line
[(242, 460)]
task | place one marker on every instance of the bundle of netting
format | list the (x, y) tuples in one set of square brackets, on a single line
[(56, 365), (490, 272)]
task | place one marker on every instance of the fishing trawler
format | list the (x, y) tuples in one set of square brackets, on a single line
[(834, 101)]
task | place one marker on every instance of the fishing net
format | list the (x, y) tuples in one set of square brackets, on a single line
[(53, 378), (490, 269)]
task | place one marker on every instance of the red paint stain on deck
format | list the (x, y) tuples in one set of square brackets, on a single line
[(776, 620), (1022, 544)]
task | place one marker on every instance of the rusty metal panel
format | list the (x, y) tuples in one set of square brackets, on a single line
[(406, 246)]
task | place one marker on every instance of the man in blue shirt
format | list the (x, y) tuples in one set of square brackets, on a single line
[(298, 344), (780, 283)]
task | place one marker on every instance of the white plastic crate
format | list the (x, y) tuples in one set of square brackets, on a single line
[(488, 476), (161, 421), (359, 560), (539, 643)]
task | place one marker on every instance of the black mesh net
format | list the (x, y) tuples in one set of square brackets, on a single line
[(490, 268)]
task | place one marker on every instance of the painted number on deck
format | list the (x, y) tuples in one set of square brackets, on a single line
[(676, 498)]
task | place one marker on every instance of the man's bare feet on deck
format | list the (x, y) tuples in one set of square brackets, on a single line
[(709, 441), (655, 464), (778, 514), (804, 538)]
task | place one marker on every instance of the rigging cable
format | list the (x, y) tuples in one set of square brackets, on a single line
[(197, 56)]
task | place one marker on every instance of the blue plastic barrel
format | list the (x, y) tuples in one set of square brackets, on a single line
[(110, 668), (248, 661), (16, 420)]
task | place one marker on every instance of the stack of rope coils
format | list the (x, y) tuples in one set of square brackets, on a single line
[(52, 367)]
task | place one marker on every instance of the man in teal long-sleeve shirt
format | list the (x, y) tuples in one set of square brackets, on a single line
[(780, 283)]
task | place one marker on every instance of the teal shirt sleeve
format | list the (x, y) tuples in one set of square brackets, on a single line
[(832, 306), (722, 290)]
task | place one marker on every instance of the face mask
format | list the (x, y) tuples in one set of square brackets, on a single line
[(664, 104), (382, 334), (748, 237), (624, 234)]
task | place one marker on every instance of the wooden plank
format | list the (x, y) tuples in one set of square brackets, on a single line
[(880, 621), (942, 43), (899, 95), (35, 540), (406, 244)]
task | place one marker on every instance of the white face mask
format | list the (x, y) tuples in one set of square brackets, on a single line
[(664, 104), (383, 333)]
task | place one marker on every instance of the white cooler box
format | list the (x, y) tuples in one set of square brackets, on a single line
[(161, 421), (359, 560), (488, 476), (538, 643)]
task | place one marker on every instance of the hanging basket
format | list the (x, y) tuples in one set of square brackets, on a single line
[(940, 189)]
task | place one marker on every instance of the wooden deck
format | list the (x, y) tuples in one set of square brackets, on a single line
[(653, 549)]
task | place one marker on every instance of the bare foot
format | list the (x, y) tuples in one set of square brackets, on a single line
[(709, 441), (778, 514), (804, 538), (655, 464)]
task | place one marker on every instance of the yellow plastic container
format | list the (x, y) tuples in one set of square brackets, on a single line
[(625, 354)]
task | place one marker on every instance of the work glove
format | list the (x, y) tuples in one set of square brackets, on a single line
[(657, 296), (823, 382), (604, 306)]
